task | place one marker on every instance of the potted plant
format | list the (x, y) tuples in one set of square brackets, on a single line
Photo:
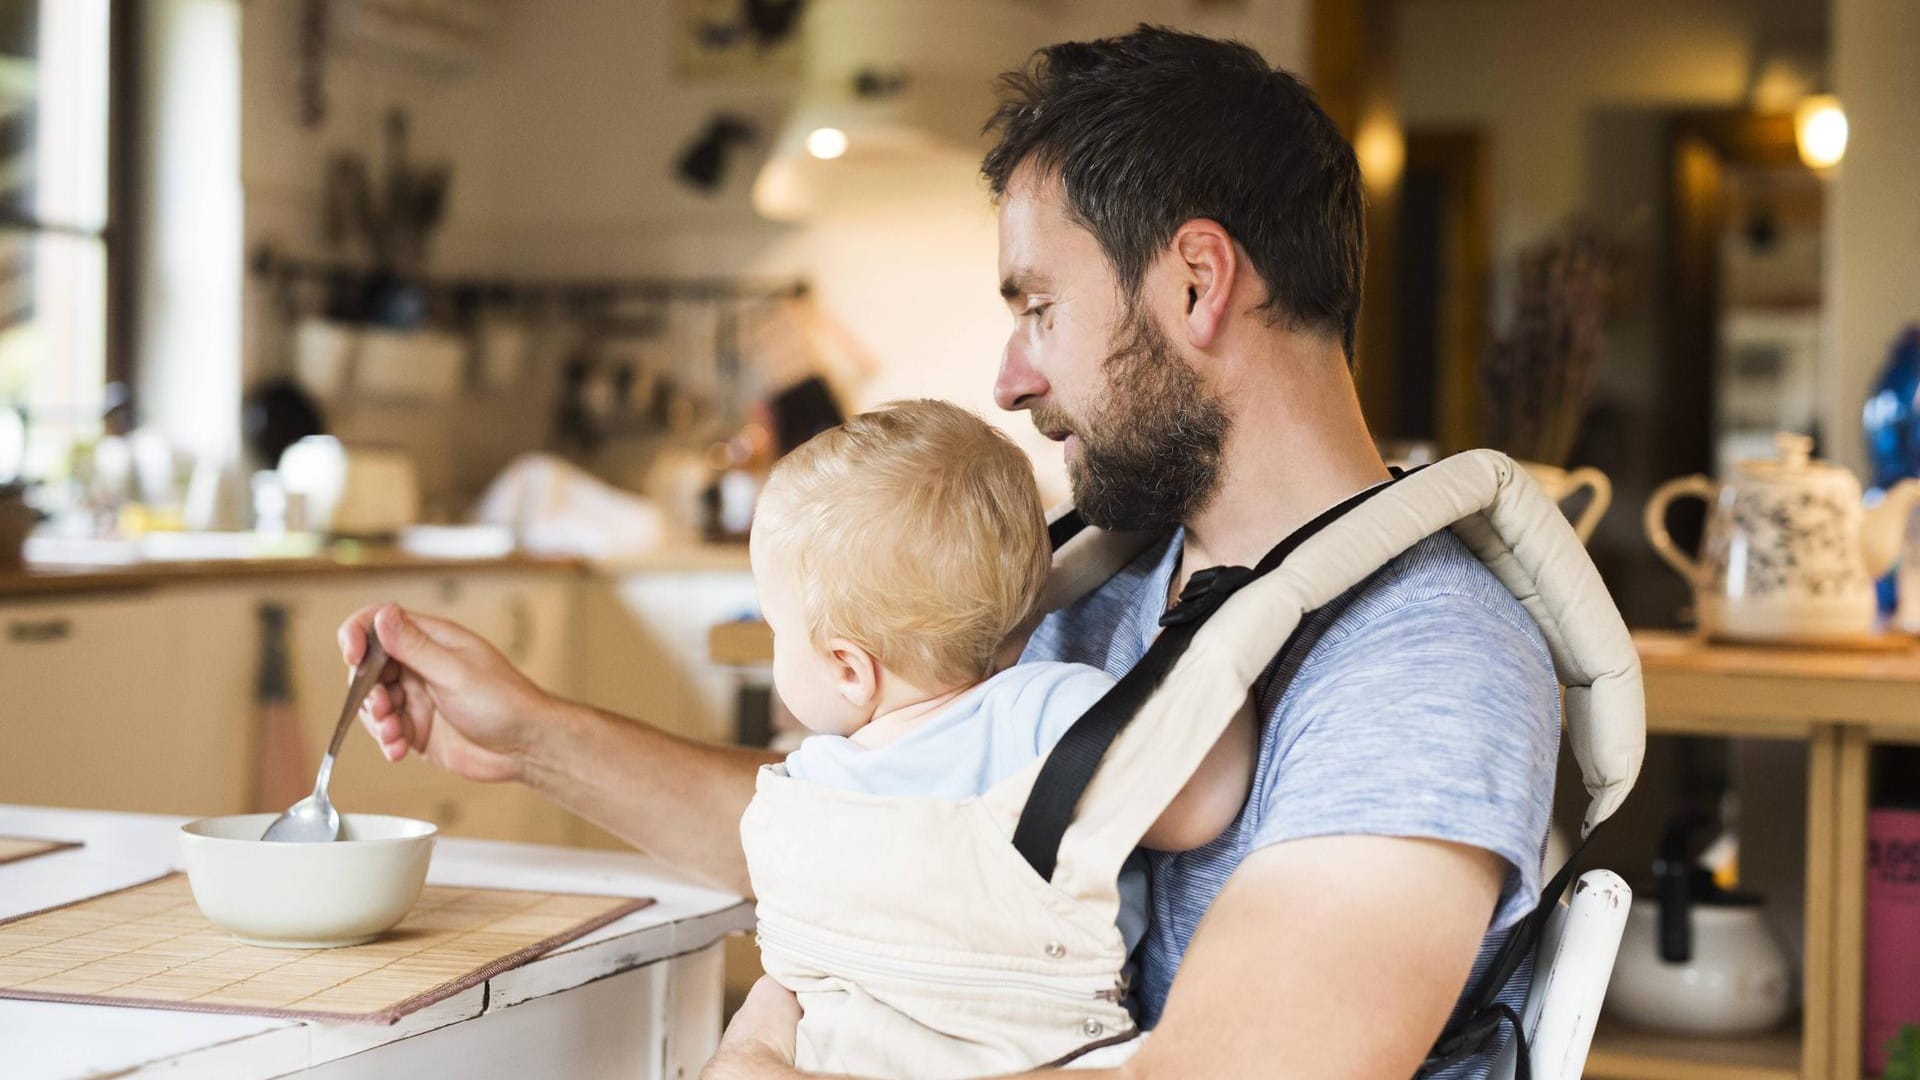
[(1903, 1054)]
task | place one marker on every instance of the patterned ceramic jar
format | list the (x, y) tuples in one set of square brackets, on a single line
[(1783, 558)]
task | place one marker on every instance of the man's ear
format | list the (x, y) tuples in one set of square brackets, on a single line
[(856, 674), (1209, 264)]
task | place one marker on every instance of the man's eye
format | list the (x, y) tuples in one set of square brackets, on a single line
[(1038, 310)]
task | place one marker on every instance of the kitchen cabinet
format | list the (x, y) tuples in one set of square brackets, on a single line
[(142, 696), (145, 699), (87, 686), (524, 615), (646, 654)]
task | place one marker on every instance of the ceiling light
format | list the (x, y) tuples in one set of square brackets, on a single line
[(898, 89), (1820, 131), (826, 143)]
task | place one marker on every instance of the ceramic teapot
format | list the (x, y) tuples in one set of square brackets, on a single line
[(1790, 554), (1696, 959)]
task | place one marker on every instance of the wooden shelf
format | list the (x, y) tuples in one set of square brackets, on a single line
[(1623, 1053), (1698, 688)]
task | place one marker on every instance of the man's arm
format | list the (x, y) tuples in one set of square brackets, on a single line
[(1328, 957), (451, 697), (672, 797), (1334, 956)]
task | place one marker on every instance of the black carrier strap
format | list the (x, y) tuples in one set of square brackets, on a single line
[(1076, 757), (1064, 528), (1481, 1012)]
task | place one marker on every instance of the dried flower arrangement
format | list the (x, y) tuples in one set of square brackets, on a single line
[(1538, 372)]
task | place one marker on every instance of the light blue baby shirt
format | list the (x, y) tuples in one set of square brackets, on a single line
[(979, 739)]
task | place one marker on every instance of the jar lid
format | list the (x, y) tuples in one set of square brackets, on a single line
[(1795, 462)]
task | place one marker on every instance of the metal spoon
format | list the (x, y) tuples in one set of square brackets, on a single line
[(313, 820)]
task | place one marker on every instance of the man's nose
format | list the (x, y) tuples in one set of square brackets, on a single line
[(1018, 385)]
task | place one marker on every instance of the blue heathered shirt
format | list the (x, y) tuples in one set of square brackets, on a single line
[(1422, 703)]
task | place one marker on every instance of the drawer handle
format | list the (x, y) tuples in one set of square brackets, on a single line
[(520, 644), (37, 631)]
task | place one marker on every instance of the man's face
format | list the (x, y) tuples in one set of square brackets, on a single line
[(1142, 432)]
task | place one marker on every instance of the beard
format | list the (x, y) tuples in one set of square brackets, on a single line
[(1150, 451)]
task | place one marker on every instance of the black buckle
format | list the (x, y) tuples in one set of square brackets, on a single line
[(1205, 592)]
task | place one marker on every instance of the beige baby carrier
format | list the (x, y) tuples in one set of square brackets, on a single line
[(931, 938)]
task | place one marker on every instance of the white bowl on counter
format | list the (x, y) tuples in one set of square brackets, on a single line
[(306, 896)]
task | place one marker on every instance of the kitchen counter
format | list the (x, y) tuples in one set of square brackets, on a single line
[(40, 580), (641, 997), (59, 580)]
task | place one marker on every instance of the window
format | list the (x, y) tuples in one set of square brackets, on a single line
[(56, 234)]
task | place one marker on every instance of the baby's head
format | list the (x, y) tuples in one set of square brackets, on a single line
[(893, 554)]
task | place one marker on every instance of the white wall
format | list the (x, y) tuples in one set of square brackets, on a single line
[(1874, 235), (563, 144)]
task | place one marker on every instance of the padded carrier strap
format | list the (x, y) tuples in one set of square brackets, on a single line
[(1070, 767)]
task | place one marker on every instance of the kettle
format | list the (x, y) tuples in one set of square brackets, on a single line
[(1697, 959), (1790, 554)]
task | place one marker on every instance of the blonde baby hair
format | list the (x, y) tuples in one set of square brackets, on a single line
[(917, 533)]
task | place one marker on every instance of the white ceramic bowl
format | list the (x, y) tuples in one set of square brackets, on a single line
[(306, 896)]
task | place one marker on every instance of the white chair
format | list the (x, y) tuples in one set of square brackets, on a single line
[(1570, 976)]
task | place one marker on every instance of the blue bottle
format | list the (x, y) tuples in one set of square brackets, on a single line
[(1891, 420)]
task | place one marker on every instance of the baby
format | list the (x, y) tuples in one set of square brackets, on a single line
[(894, 557)]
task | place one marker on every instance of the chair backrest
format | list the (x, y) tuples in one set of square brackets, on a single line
[(1570, 976)]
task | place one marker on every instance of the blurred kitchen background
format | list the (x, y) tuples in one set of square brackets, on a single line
[(500, 308)]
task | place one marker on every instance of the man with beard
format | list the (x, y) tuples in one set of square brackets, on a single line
[(1181, 244)]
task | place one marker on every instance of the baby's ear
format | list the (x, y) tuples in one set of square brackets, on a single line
[(856, 674)]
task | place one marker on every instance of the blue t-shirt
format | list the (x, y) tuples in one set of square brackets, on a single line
[(972, 743), (1422, 703)]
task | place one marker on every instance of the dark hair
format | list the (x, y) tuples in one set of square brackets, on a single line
[(1154, 129)]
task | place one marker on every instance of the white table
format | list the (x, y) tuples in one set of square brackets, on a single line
[(639, 997)]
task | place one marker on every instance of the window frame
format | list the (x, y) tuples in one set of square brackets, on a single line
[(116, 234), (119, 234)]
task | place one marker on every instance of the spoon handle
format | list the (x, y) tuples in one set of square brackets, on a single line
[(365, 677)]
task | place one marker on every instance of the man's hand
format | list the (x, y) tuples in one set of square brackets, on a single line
[(450, 696), (759, 1042), (446, 694)]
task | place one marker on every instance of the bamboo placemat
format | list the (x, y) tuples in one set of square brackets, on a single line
[(148, 946), (15, 848)]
